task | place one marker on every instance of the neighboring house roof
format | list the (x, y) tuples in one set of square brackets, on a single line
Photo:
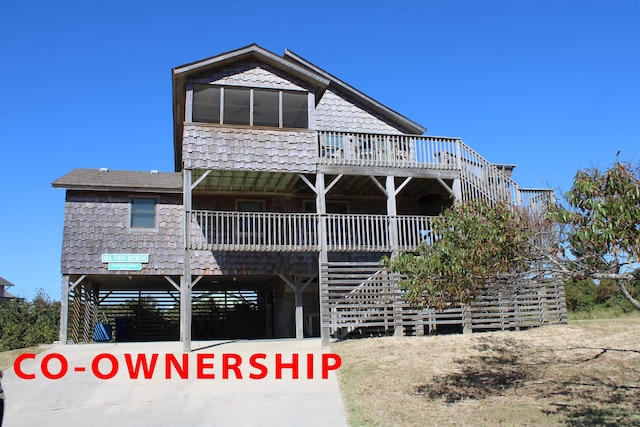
[(291, 64), (5, 282), (8, 295), (104, 179)]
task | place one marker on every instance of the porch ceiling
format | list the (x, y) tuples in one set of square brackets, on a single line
[(261, 182), (233, 181), (358, 185)]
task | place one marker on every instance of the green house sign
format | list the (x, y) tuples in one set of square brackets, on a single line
[(125, 258), (129, 266)]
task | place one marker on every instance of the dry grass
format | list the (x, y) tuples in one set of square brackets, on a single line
[(8, 357), (585, 373)]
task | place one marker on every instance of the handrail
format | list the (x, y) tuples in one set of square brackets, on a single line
[(385, 150), (480, 179), (262, 231)]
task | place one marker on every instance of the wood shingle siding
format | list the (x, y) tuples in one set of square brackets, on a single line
[(336, 112), (266, 149), (252, 74), (97, 223), (253, 263)]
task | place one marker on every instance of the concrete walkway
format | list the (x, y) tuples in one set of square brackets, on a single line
[(80, 398)]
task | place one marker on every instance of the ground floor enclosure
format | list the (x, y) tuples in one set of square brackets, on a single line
[(355, 297), (222, 307)]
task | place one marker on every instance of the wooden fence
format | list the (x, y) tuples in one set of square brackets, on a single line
[(364, 296)]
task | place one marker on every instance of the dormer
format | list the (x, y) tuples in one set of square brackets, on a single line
[(255, 89), (247, 87)]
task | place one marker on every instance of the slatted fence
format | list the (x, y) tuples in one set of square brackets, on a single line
[(360, 296)]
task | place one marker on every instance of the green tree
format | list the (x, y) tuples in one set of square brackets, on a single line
[(24, 323), (479, 244), (595, 235), (600, 227)]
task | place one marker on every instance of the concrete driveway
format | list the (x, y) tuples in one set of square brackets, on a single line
[(97, 385)]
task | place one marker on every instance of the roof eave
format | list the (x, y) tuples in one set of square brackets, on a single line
[(78, 187)]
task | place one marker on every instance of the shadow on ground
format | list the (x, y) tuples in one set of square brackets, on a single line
[(609, 396)]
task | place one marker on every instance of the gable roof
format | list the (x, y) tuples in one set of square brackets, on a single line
[(385, 111), (289, 63), (135, 181)]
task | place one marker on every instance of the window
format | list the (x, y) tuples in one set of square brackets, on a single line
[(237, 106), (250, 206), (143, 213), (253, 107), (266, 108), (294, 110), (206, 104)]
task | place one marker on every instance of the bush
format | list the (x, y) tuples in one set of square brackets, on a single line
[(27, 323), (587, 296)]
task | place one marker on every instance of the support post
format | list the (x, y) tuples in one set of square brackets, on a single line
[(296, 284), (185, 281), (392, 213), (466, 319), (64, 310), (323, 257), (299, 308)]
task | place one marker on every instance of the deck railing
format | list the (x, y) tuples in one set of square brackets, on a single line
[(297, 232), (479, 178), (407, 151), (357, 233), (253, 231)]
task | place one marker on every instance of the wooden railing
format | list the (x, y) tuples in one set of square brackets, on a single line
[(406, 151), (414, 230), (297, 232), (357, 233), (479, 178), (253, 231)]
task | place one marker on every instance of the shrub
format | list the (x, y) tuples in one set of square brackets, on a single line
[(26, 323)]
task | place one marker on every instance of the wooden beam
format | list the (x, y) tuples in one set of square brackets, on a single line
[(77, 282), (321, 210), (383, 171), (101, 300), (375, 180), (309, 184), (299, 309), (287, 281), (446, 187), (404, 184), (308, 282), (185, 281), (174, 284), (202, 178), (64, 310), (332, 183), (195, 282)]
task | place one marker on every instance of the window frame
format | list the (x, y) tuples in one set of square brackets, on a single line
[(220, 120), (260, 202), (131, 212)]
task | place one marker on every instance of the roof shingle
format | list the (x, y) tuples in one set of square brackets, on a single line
[(97, 179)]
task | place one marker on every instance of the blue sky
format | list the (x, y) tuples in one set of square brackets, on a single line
[(552, 86)]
